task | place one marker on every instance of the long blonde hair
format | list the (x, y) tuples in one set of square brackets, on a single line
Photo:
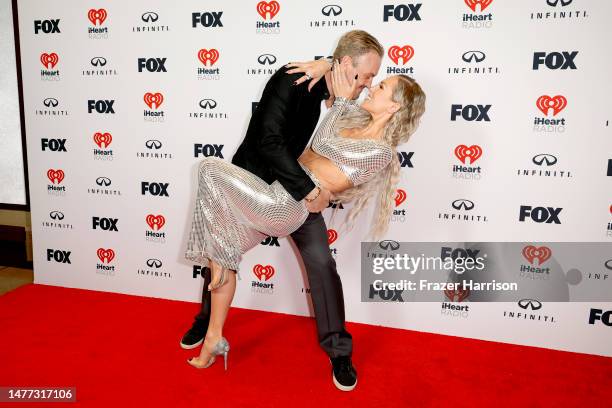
[(397, 131)]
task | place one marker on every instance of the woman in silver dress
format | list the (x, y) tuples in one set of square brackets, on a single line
[(352, 154)]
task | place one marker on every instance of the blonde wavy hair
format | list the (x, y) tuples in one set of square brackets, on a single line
[(398, 130)]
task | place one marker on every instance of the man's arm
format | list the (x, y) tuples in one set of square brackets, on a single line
[(272, 115)]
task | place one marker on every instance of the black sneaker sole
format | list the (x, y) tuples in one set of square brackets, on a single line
[(191, 346)]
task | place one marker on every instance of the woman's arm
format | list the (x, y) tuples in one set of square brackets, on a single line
[(343, 89), (327, 124)]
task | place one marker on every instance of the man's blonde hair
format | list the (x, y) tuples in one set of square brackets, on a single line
[(356, 43)]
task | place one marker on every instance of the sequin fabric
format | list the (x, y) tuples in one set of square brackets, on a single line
[(235, 210), (358, 159)]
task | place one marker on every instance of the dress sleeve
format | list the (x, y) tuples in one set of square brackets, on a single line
[(373, 162), (326, 128)]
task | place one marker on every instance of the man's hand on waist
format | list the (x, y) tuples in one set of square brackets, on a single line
[(317, 200)]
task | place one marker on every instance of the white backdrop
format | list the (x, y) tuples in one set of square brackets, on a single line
[(90, 217)]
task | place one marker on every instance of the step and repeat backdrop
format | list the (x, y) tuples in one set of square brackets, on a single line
[(122, 100)]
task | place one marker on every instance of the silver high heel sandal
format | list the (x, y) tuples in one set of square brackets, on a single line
[(221, 348)]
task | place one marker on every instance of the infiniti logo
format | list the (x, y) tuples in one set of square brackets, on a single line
[(56, 215), (555, 2), (150, 17), (544, 158), (103, 181), (530, 303), (332, 9), (266, 59), (208, 103), (153, 144), (389, 243), (154, 263), (463, 204), (98, 61), (473, 56), (608, 264), (50, 102)]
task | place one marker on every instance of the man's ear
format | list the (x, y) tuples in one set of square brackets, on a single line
[(346, 60)]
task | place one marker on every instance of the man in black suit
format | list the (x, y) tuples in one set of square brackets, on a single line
[(278, 133)]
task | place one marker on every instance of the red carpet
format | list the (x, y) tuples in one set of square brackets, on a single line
[(123, 350)]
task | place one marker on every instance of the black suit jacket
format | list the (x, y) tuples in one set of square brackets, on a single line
[(279, 130)]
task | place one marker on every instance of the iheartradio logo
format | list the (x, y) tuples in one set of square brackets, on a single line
[(264, 273), (211, 56), (49, 60), (266, 9), (105, 255), (400, 196), (103, 140), (55, 176), (472, 152), (156, 222), (97, 17), (405, 53), (532, 253), (153, 99), (457, 295), (332, 236), (482, 3), (556, 103)]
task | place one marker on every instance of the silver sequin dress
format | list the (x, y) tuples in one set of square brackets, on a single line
[(235, 210)]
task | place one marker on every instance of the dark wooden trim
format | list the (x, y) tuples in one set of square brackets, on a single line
[(12, 233), (16, 207), (24, 149), (13, 250)]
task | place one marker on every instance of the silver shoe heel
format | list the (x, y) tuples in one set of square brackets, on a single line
[(221, 348)]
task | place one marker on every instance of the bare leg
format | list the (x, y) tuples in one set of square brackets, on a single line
[(221, 299)]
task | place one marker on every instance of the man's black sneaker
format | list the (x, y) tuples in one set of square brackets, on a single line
[(194, 336), (343, 373)]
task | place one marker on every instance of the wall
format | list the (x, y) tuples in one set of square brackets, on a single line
[(484, 92)]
